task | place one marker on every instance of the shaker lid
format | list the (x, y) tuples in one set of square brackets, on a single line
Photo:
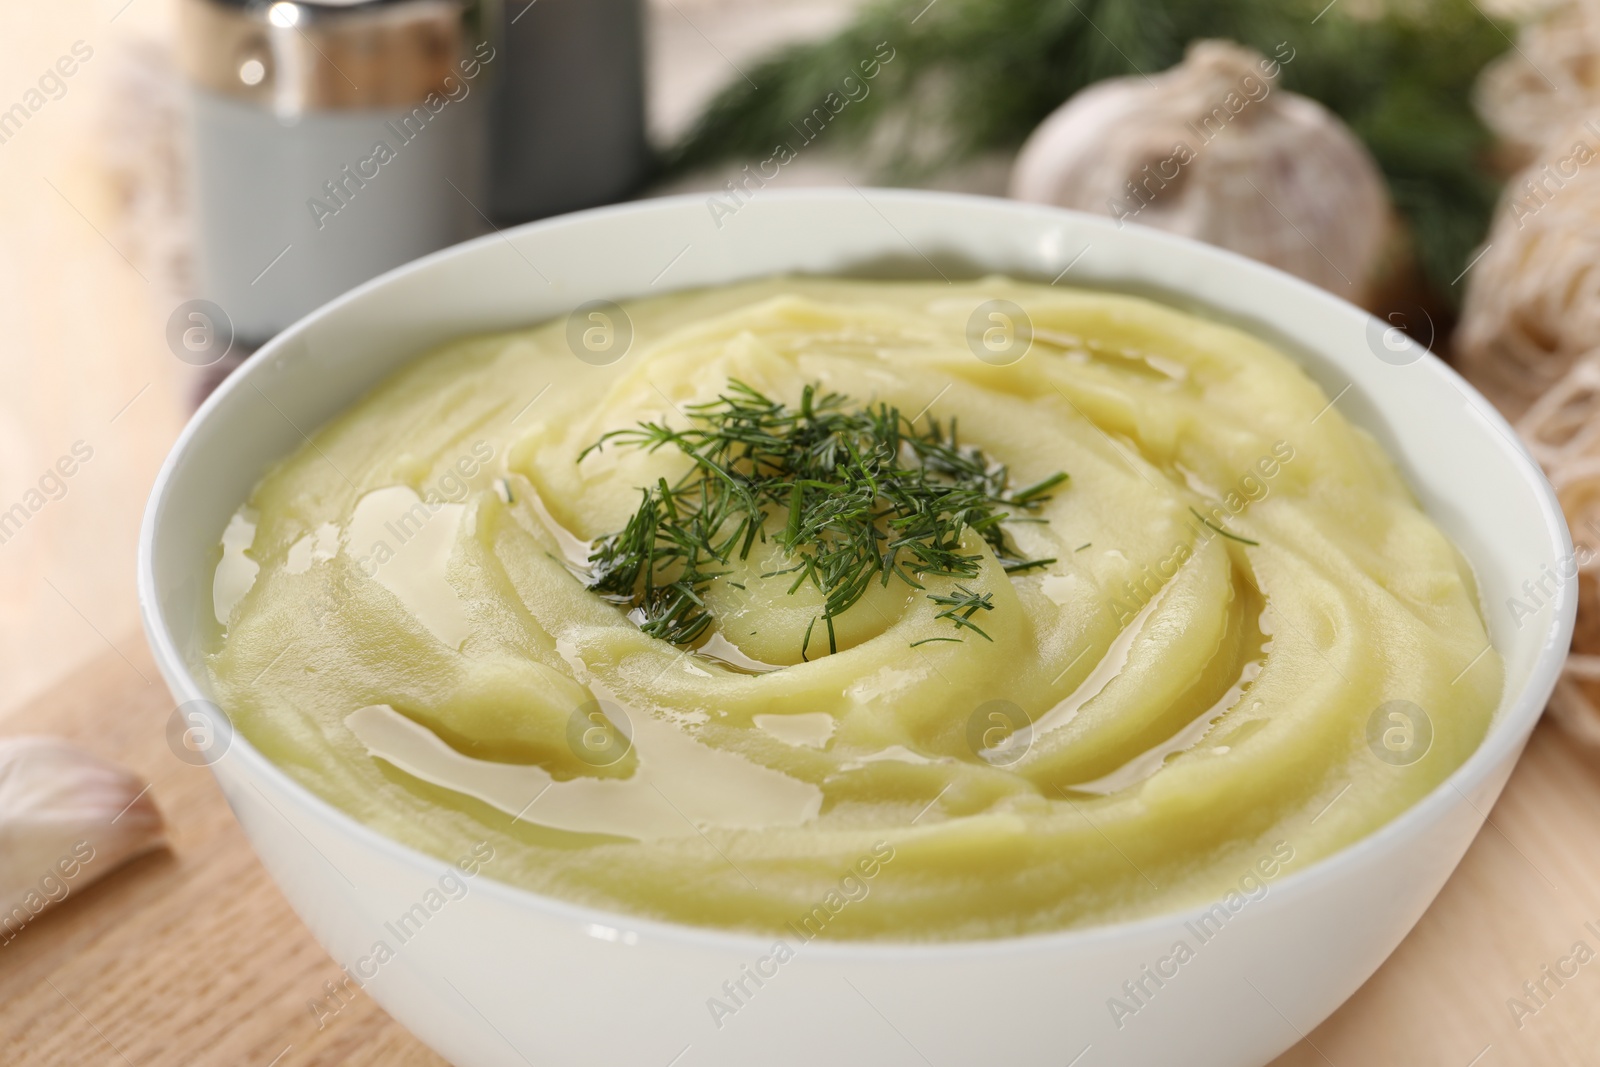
[(294, 56)]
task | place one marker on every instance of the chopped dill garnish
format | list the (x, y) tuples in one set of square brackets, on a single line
[(962, 605), (1220, 530), (862, 493), (1083, 546)]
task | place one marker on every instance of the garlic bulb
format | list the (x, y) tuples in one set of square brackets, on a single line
[(1211, 149), (1532, 305), (1534, 91), (67, 818)]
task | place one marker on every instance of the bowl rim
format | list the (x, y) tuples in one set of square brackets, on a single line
[(1508, 731)]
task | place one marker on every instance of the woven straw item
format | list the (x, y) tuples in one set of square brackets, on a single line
[(1562, 430), (1530, 94), (1532, 305)]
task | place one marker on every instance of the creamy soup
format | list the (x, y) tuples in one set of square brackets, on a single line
[(856, 610)]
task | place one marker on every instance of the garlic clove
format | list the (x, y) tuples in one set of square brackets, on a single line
[(1211, 149), (67, 819)]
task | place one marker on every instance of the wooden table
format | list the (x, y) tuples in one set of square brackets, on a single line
[(191, 956)]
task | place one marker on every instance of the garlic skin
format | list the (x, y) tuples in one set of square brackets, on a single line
[(1531, 94), (1532, 303), (1211, 149), (67, 819)]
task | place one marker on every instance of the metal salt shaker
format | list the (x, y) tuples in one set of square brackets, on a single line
[(333, 140)]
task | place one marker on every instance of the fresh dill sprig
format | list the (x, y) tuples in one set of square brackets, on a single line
[(1220, 530), (962, 605), (863, 493)]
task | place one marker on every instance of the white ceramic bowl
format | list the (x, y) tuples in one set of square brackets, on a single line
[(504, 977)]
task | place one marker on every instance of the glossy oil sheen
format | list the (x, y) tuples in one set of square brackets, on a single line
[(1196, 700)]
